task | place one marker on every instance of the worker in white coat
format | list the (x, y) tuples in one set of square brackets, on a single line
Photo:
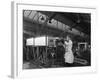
[(69, 57)]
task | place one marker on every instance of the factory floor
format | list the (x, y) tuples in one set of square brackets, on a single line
[(49, 64)]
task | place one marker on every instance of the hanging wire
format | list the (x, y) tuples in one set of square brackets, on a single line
[(29, 14), (34, 16)]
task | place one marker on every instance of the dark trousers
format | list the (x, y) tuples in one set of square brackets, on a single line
[(68, 64)]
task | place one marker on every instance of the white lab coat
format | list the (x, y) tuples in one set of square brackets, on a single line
[(69, 57)]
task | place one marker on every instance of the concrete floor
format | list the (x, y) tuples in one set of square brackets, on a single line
[(49, 64)]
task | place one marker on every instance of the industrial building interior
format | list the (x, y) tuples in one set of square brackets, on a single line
[(44, 30)]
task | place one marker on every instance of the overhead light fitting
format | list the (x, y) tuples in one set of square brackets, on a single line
[(42, 18), (50, 21)]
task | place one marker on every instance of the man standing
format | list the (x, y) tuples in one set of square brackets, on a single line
[(69, 57)]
